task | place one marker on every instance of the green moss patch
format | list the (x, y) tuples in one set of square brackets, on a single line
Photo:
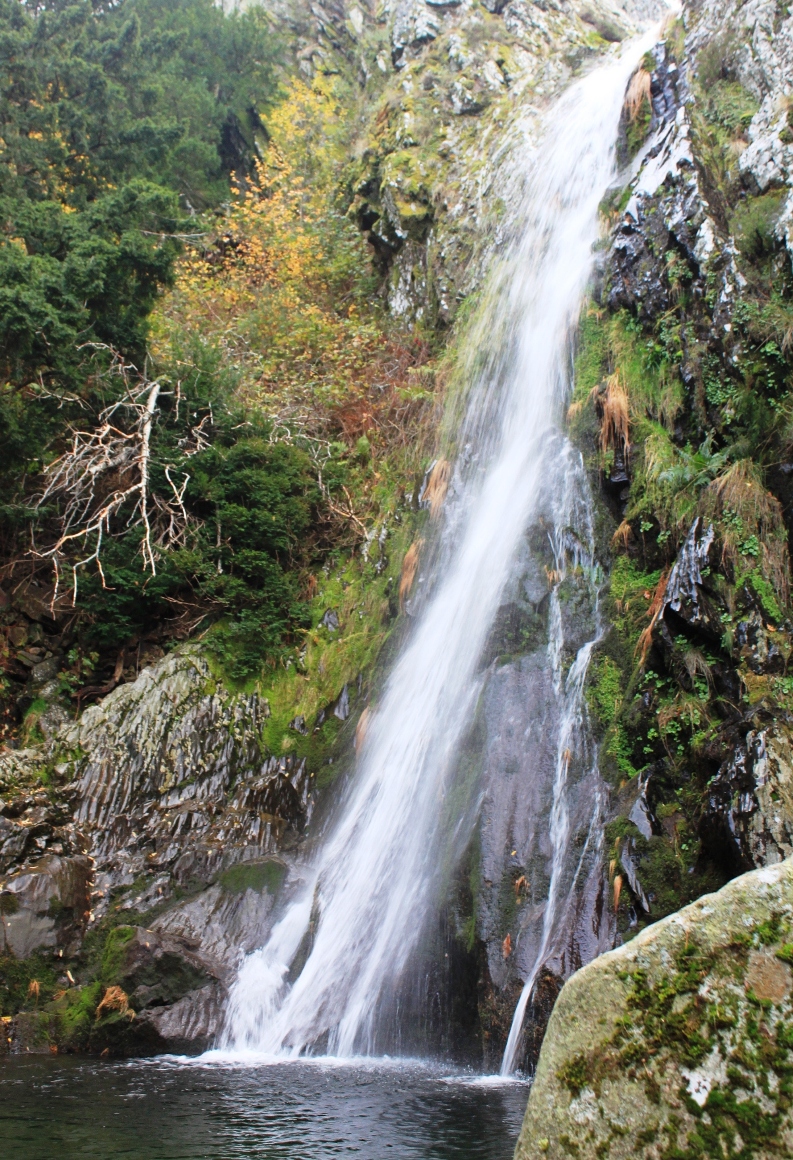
[(258, 876)]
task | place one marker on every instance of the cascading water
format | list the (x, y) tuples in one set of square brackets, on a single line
[(348, 931), (572, 739)]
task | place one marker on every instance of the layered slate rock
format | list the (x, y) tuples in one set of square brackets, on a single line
[(168, 809), (46, 905), (172, 786), (679, 1043)]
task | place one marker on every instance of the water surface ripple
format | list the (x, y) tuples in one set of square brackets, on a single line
[(163, 1109)]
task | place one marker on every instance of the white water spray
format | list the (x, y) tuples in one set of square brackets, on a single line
[(360, 911)]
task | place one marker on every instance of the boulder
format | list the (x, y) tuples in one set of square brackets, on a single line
[(679, 1043), (190, 1024)]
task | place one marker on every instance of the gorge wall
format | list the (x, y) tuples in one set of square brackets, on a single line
[(691, 684), (145, 840)]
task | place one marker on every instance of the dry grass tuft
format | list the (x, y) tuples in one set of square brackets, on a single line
[(743, 507), (622, 535), (613, 411), (695, 664), (114, 999), (437, 486), (654, 611), (410, 566), (362, 727), (638, 92)]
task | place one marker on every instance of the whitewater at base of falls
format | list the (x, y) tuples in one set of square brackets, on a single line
[(345, 935)]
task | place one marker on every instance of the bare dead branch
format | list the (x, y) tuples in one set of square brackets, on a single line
[(107, 470)]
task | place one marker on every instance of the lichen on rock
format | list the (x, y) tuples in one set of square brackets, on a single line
[(679, 1043)]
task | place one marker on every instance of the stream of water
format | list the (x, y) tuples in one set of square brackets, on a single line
[(336, 954)]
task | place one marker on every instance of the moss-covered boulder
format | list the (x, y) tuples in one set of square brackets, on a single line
[(680, 1043)]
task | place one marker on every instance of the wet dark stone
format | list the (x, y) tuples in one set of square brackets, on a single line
[(155, 969), (748, 817), (538, 1012), (636, 277), (664, 87), (518, 628), (342, 707), (330, 620), (629, 864)]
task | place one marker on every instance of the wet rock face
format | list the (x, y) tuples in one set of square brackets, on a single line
[(750, 803), (174, 783), (677, 1042), (536, 801), (520, 767), (46, 905), (684, 588)]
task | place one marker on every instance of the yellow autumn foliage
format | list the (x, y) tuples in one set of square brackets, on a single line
[(284, 285)]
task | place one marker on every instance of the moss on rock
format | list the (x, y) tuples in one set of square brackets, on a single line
[(679, 1044)]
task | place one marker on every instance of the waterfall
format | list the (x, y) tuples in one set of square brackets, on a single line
[(345, 936), (571, 743)]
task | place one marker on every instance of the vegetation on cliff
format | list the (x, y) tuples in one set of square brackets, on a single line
[(204, 399), (682, 398)]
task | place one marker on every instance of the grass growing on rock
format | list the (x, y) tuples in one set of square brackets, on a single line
[(258, 876)]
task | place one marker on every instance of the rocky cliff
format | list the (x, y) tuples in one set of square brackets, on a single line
[(675, 1044), (451, 89), (143, 843), (680, 399)]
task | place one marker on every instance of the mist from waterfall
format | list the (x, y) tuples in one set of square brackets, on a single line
[(356, 918)]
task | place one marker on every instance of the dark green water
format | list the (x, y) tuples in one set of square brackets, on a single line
[(69, 1108)]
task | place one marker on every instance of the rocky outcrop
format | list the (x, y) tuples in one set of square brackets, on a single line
[(678, 1043), (164, 788), (461, 90), (690, 682), (752, 796), (173, 786), (46, 905)]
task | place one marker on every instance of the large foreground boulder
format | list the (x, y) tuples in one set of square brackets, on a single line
[(679, 1044)]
